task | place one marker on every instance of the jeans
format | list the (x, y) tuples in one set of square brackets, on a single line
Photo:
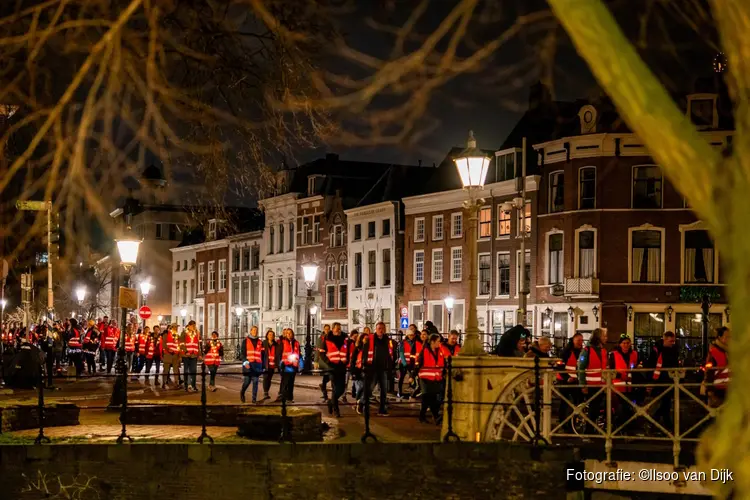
[(253, 377), (101, 358), (90, 361), (171, 361), (267, 377), (212, 369), (402, 372), (140, 363), (190, 366), (110, 355), (359, 389), (287, 385), (379, 378), (431, 392), (324, 388), (338, 384)]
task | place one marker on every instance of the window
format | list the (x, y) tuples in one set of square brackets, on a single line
[(270, 240), (279, 293), (159, 232), (212, 230), (245, 259), (192, 290), (343, 270), (505, 166), (386, 267), (503, 222), (416, 314), (177, 292), (647, 187), (457, 254), (419, 229), (192, 264), (281, 238), (172, 231), (525, 220), (184, 265), (372, 276), (305, 231), (290, 292), (316, 229), (212, 276), (235, 291), (386, 227), (702, 110), (222, 319), (330, 296), (356, 317), (385, 317), (358, 270), (437, 227), (357, 232), (436, 315), (342, 296), (556, 191), (418, 266), (485, 222), (503, 274), (222, 275), (370, 318), (330, 271), (177, 266), (484, 274), (245, 295), (586, 254), (371, 229), (291, 236), (646, 256), (457, 225), (255, 257), (254, 289), (201, 278), (555, 259), (587, 188), (526, 274), (211, 317), (336, 236), (699, 257), (269, 296), (437, 265)]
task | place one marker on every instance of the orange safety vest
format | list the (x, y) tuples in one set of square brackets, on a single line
[(624, 377), (722, 375), (272, 355), (172, 343), (129, 343), (254, 355), (191, 344), (212, 356), (75, 340), (432, 369), (142, 343), (290, 353), (335, 355), (570, 367), (371, 348), (150, 344), (446, 349), (411, 351), (596, 363)]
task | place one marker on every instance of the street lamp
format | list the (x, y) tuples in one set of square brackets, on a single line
[(449, 301), (81, 296), (183, 314), (145, 289), (310, 272), (238, 311), (472, 165)]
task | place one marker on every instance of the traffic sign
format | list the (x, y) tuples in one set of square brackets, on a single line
[(128, 298), (404, 322), (404, 312), (144, 312), (36, 206)]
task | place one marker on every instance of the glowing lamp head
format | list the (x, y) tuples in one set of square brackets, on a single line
[(183, 312), (3, 303), (313, 310), (238, 311), (449, 301), (310, 272), (80, 293), (472, 164), (145, 287), (128, 249)]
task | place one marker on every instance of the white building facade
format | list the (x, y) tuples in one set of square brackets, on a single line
[(374, 256), (245, 280), (185, 304), (278, 262)]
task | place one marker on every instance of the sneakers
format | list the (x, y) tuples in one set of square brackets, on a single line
[(266, 396), (383, 413), (337, 414), (242, 398), (330, 407), (359, 409), (255, 402)]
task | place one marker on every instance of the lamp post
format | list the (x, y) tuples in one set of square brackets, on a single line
[(183, 315), (449, 301), (127, 247), (310, 272), (81, 296), (145, 289), (472, 165), (3, 303), (238, 312)]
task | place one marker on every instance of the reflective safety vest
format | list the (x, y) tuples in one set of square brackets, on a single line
[(570, 367), (150, 344), (624, 377), (110, 338), (143, 341), (432, 369), (411, 351), (271, 353), (657, 370), (75, 340), (254, 354), (335, 355), (129, 343), (446, 350), (212, 356), (597, 361), (419, 345), (371, 348), (191, 344), (722, 375), (360, 355), (172, 343), (290, 353)]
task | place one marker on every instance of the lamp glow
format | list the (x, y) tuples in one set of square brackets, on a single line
[(472, 164), (310, 272), (238, 311), (145, 287), (449, 301), (128, 249), (183, 312), (81, 293), (313, 310)]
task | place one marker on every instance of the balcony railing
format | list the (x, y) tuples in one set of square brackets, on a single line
[(581, 286)]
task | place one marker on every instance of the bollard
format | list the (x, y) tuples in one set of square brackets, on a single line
[(124, 409), (204, 411), (450, 436), (285, 431), (41, 438), (367, 435)]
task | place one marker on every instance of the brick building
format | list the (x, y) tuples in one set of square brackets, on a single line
[(212, 262)]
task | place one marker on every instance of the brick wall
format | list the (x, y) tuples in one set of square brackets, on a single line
[(217, 297), (340, 471)]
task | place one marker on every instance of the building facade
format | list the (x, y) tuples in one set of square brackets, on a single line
[(245, 282), (212, 275), (184, 286), (374, 284)]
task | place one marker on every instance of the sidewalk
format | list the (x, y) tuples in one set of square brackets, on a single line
[(307, 381)]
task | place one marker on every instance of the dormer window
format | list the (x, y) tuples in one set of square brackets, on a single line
[(587, 115), (314, 184), (212, 230), (701, 109)]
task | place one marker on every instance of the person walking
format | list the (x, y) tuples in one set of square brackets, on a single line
[(356, 368), (567, 376), (190, 352), (322, 365), (157, 339), (407, 361), (75, 348), (592, 361), (350, 350), (431, 364), (451, 347), (271, 357), (90, 346), (252, 363), (143, 341), (57, 348), (171, 353), (624, 359), (539, 348), (111, 335), (717, 375), (334, 354), (289, 366), (213, 352), (129, 348), (663, 356), (378, 364)]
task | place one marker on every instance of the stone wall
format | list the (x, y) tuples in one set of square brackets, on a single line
[(20, 417), (283, 472)]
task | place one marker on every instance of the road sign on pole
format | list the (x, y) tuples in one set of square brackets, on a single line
[(404, 312), (144, 312), (404, 322), (128, 298)]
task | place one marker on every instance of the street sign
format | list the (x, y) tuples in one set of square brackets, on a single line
[(35, 206), (404, 312), (128, 298), (144, 312), (404, 322)]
